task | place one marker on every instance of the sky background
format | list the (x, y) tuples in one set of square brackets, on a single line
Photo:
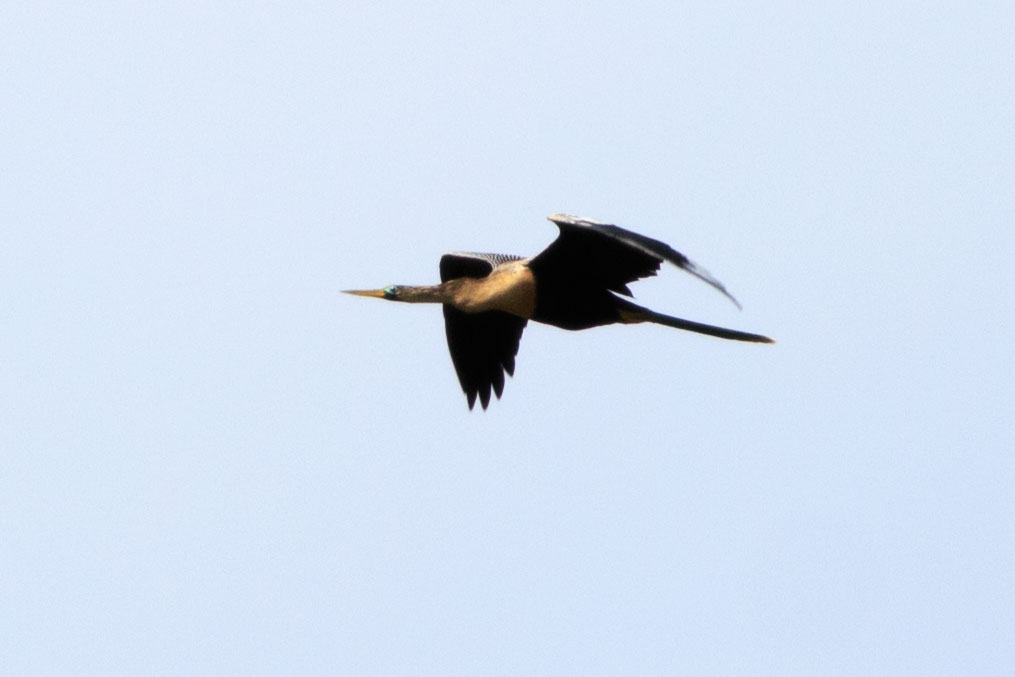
[(215, 463)]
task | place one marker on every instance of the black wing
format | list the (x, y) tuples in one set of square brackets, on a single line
[(610, 255), (471, 264), (482, 345)]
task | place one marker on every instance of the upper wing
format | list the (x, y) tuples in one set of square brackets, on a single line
[(611, 255), (482, 345), (471, 264)]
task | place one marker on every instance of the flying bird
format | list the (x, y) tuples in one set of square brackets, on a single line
[(578, 282)]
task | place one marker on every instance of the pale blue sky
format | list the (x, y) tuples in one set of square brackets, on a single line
[(215, 463)]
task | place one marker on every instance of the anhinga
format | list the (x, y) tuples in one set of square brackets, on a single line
[(578, 282)]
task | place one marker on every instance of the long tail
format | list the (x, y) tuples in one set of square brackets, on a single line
[(634, 313)]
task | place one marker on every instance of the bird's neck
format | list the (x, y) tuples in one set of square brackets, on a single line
[(440, 293)]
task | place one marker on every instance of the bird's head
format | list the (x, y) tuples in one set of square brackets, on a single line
[(391, 292), (405, 293)]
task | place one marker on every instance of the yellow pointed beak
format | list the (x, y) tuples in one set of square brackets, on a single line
[(376, 293)]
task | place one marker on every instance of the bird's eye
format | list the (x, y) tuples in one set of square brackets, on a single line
[(391, 290)]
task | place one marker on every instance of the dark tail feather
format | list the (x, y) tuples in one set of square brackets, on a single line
[(646, 315)]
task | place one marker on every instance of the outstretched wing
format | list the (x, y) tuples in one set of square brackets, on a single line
[(482, 345), (610, 255)]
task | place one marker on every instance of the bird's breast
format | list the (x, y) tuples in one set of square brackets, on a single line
[(510, 288)]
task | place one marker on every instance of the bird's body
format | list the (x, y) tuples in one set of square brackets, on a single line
[(578, 282), (510, 287)]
